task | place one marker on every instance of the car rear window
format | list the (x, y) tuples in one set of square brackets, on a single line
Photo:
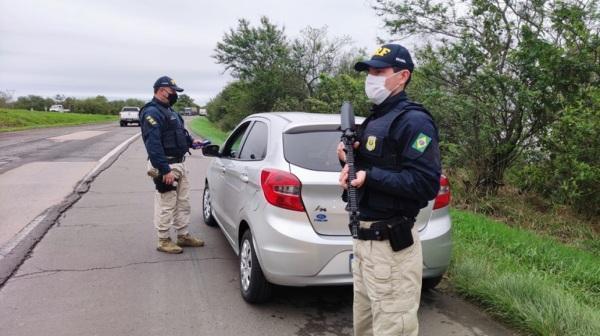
[(313, 150)]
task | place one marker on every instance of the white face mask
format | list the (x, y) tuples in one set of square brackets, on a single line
[(376, 90)]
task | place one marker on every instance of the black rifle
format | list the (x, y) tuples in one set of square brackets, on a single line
[(348, 138)]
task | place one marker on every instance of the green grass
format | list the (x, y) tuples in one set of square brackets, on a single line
[(14, 120), (533, 282), (207, 130)]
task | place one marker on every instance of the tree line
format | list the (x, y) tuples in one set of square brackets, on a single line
[(272, 72), (92, 105), (513, 86)]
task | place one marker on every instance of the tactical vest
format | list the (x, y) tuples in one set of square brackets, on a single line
[(173, 135), (379, 149)]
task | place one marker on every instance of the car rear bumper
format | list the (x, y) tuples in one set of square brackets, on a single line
[(436, 239), (292, 254)]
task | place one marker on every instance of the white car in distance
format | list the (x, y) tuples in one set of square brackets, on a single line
[(129, 114), (58, 108)]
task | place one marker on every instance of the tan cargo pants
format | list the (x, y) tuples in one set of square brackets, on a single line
[(173, 207), (387, 287)]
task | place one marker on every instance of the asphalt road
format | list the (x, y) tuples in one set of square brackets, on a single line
[(96, 272), (61, 144), (39, 168)]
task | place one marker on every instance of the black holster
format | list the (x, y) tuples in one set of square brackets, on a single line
[(161, 186), (400, 232)]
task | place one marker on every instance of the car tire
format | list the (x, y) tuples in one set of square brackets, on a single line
[(431, 283), (207, 213), (253, 285), (122, 124)]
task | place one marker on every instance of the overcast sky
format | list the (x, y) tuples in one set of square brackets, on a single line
[(118, 48)]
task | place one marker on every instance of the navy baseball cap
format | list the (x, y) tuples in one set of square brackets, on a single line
[(166, 81), (388, 55)]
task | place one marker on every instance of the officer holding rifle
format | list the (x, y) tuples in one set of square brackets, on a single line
[(398, 170)]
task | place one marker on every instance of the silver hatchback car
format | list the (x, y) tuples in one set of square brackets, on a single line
[(273, 189)]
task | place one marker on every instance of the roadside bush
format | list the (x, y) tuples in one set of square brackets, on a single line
[(333, 90), (33, 102), (274, 73), (5, 98), (497, 74), (95, 105), (567, 167), (230, 106)]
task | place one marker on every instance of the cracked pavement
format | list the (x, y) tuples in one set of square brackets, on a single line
[(54, 271), (97, 272)]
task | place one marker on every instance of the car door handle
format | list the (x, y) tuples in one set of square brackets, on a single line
[(223, 169), (244, 178)]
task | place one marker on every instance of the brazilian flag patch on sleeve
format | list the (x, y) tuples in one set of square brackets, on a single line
[(421, 142)]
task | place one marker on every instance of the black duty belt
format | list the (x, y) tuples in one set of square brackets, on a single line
[(381, 230), (172, 160)]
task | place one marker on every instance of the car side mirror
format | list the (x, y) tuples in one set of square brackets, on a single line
[(211, 150)]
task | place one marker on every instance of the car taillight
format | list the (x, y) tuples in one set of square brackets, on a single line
[(443, 197), (281, 189)]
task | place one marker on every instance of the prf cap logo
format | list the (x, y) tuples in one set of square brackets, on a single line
[(173, 82), (371, 143), (381, 51)]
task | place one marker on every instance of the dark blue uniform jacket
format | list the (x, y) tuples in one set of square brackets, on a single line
[(400, 153), (164, 134)]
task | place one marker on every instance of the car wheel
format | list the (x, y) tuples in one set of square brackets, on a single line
[(207, 213), (431, 283), (253, 285), (122, 124)]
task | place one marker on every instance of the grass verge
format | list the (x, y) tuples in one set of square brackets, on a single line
[(15, 120), (207, 130), (535, 283), (530, 211)]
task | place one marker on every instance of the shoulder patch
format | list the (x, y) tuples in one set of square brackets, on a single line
[(421, 142), (151, 120)]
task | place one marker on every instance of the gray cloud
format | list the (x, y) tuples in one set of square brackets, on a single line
[(118, 48)]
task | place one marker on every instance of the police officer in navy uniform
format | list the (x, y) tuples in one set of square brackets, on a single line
[(167, 142), (398, 172)]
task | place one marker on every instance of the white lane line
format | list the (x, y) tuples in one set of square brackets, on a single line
[(109, 155), (77, 136)]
